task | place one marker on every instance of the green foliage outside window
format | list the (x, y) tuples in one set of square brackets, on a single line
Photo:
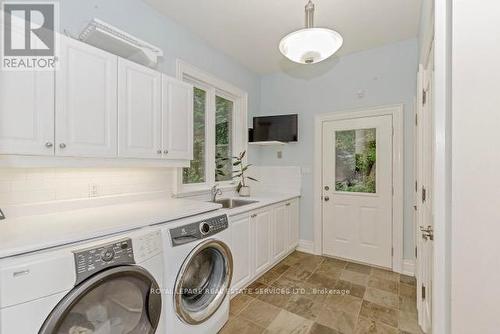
[(356, 156)]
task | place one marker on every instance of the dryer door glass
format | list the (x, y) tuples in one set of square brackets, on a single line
[(203, 281), (121, 300)]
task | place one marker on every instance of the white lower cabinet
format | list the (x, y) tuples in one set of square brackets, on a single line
[(262, 238), (262, 223), (281, 227), (241, 247)]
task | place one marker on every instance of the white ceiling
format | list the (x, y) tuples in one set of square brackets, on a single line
[(250, 30)]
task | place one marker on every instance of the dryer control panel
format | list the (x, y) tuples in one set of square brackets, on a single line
[(199, 230), (93, 260)]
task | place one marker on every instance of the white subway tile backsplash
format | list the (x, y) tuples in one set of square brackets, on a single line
[(30, 185)]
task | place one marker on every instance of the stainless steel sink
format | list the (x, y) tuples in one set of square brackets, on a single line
[(231, 203)]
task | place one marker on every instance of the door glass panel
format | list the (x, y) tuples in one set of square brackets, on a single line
[(116, 306), (355, 160), (223, 139), (203, 279)]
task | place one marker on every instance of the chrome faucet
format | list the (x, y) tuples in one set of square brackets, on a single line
[(214, 191)]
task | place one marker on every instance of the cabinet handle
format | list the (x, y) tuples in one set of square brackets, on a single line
[(288, 204), (165, 151), (48, 144), (62, 145), (253, 216), (159, 151)]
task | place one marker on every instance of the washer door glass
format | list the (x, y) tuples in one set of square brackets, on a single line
[(121, 300), (203, 281)]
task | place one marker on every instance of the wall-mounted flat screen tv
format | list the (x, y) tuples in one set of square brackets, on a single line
[(282, 128)]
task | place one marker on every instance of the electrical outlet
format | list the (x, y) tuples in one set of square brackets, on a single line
[(280, 154), (93, 190)]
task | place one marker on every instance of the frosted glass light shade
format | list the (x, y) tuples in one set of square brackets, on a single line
[(310, 45)]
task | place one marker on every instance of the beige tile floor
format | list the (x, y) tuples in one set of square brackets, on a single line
[(308, 294)]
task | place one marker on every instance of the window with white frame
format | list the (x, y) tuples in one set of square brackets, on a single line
[(220, 129)]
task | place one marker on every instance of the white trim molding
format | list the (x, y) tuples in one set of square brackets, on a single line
[(306, 246), (408, 267), (396, 111)]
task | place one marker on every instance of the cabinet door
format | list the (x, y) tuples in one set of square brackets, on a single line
[(281, 228), (293, 214), (27, 113), (262, 224), (86, 101), (241, 241), (139, 111), (177, 105)]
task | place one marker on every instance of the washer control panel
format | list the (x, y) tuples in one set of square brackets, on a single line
[(93, 260), (198, 230)]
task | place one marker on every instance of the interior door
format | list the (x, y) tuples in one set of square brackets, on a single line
[(425, 167), (139, 111), (86, 101), (177, 100), (357, 189)]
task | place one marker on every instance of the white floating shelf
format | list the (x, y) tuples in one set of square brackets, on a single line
[(267, 143)]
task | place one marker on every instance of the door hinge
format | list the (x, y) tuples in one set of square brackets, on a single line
[(392, 191), (423, 292), (424, 194), (416, 186), (424, 97), (416, 252), (416, 119), (392, 251)]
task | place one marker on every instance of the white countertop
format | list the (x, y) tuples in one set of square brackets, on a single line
[(36, 232), (262, 200)]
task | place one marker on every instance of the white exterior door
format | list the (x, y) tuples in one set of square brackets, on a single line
[(357, 189), (241, 247), (86, 101), (177, 107), (139, 111), (262, 224), (27, 113)]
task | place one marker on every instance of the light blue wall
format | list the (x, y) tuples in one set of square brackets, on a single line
[(387, 75), (137, 18)]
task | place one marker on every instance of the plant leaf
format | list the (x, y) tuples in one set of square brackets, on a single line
[(253, 179), (237, 163)]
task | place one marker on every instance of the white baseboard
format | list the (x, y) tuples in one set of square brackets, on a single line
[(408, 267), (306, 246)]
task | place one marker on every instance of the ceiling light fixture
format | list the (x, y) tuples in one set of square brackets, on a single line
[(310, 45)]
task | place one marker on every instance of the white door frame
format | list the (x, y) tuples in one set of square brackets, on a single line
[(396, 111)]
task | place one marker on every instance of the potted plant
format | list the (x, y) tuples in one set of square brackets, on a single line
[(242, 188)]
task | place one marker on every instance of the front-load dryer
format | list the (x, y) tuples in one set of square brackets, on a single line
[(111, 286), (198, 272)]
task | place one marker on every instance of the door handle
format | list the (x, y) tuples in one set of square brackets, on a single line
[(327, 198), (427, 232)]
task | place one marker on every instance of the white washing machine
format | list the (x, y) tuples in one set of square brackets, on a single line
[(109, 286), (198, 272)]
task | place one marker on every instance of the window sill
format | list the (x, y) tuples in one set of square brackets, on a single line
[(203, 190)]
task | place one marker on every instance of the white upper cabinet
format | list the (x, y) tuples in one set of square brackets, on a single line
[(139, 111), (86, 101), (177, 107), (27, 113)]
